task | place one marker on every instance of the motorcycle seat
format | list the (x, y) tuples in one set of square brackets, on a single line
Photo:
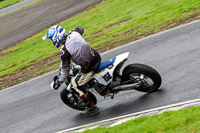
[(105, 64)]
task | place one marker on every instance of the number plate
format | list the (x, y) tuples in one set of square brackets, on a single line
[(107, 77)]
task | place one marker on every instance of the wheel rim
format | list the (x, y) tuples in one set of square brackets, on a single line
[(146, 81)]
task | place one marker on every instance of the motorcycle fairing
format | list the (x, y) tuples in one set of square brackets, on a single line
[(105, 76)]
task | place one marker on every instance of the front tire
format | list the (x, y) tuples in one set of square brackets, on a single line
[(150, 79), (64, 97)]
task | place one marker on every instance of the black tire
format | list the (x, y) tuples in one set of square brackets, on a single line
[(147, 71), (66, 101)]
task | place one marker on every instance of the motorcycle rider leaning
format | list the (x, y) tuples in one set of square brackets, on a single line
[(75, 48)]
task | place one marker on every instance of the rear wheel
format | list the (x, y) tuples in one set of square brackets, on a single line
[(149, 79), (71, 99)]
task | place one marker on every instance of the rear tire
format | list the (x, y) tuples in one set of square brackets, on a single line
[(142, 72)]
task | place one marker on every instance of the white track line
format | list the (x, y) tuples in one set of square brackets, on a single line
[(118, 120)]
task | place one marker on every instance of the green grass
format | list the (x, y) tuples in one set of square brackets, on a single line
[(182, 121), (5, 3), (106, 25)]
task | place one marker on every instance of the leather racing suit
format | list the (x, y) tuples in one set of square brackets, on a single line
[(75, 48)]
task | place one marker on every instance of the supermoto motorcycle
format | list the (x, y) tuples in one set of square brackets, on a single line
[(107, 81)]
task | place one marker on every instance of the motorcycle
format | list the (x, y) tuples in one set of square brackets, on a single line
[(107, 81)]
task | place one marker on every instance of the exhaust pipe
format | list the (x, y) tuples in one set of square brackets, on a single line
[(127, 87)]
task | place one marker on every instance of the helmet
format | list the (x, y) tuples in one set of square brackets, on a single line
[(55, 34)]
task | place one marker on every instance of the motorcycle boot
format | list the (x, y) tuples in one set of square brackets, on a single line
[(90, 110), (82, 101), (91, 107)]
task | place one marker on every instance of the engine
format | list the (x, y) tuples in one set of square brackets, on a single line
[(97, 88)]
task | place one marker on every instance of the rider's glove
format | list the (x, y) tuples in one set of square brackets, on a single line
[(56, 83)]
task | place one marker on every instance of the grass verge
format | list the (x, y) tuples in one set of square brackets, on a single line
[(107, 25), (5, 3), (10, 3), (181, 121)]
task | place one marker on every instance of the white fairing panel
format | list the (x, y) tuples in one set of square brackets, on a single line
[(105, 76)]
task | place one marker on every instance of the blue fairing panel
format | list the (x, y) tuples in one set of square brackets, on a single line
[(105, 64)]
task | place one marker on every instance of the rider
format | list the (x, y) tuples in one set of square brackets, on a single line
[(75, 48)]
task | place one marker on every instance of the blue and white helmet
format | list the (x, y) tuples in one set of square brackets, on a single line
[(55, 34)]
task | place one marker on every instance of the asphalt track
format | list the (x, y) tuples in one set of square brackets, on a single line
[(34, 108), (26, 22), (16, 6)]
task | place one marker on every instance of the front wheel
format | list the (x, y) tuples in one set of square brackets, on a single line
[(149, 79), (71, 99)]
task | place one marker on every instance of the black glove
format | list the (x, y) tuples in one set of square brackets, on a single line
[(56, 83)]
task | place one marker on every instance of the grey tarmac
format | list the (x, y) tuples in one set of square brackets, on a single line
[(16, 6)]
